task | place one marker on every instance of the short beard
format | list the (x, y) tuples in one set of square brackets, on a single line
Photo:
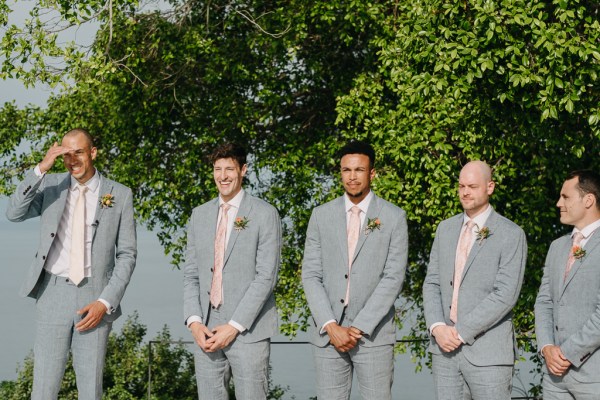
[(354, 195)]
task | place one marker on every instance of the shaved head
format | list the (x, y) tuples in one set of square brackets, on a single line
[(80, 131), (478, 167), (475, 186)]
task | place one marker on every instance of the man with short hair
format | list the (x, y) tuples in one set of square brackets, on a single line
[(354, 263), (230, 271), (567, 308), (84, 262), (473, 281)]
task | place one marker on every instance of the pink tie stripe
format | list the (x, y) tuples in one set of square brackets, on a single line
[(216, 287), (462, 253), (353, 233)]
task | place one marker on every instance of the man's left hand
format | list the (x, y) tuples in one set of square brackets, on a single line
[(93, 314), (222, 336)]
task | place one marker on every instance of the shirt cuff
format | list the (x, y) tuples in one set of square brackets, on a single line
[(322, 331), (543, 347), (192, 319), (109, 309), (237, 326), (434, 325), (38, 172)]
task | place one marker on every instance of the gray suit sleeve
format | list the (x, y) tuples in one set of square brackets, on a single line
[(432, 295), (191, 279), (26, 201), (387, 290), (125, 256), (312, 275), (585, 341), (544, 317), (267, 265), (505, 293)]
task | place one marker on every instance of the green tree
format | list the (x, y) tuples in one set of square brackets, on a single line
[(431, 83), (126, 370)]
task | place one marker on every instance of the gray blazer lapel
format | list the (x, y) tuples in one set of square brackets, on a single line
[(244, 211), (63, 191), (372, 213), (340, 226), (589, 247), (491, 224), (105, 188)]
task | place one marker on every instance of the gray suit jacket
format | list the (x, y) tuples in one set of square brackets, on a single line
[(489, 289), (114, 248), (250, 268), (377, 274), (567, 314)]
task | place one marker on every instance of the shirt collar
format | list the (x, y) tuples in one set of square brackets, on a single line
[(236, 201), (588, 230), (363, 205), (92, 183), (480, 219)]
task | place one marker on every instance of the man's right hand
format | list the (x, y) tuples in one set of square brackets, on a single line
[(51, 155), (556, 362), (200, 333), (343, 339), (446, 337)]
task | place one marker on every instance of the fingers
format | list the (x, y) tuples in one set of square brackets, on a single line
[(92, 315), (51, 155)]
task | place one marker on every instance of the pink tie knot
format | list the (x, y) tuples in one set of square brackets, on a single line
[(355, 210), (225, 207)]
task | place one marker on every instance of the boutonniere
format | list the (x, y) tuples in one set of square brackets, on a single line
[(483, 234), (372, 224), (107, 201), (240, 223), (578, 252)]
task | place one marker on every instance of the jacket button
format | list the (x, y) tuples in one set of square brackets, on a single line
[(213, 307), (450, 283), (342, 301), (211, 270), (43, 257), (346, 276), (556, 327), (52, 234)]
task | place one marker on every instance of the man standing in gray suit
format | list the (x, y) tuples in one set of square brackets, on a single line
[(84, 261), (230, 271), (567, 309), (354, 263), (473, 281)]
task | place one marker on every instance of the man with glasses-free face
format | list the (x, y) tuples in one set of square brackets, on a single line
[(84, 261)]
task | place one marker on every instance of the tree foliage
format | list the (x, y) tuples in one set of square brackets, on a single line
[(431, 83)]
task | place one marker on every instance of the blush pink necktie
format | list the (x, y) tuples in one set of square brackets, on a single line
[(462, 253), (216, 287), (353, 234), (577, 238), (76, 267)]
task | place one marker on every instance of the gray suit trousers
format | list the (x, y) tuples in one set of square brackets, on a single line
[(374, 368), (56, 315)]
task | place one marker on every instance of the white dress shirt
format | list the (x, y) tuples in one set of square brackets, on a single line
[(59, 255), (231, 214), (587, 232)]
